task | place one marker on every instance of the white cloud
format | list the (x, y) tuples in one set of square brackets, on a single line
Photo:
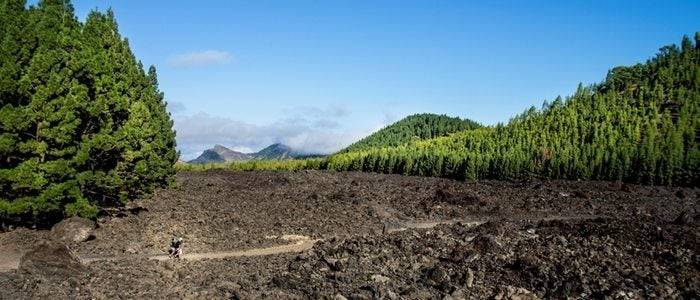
[(326, 123), (313, 133), (242, 149), (201, 58), (335, 111)]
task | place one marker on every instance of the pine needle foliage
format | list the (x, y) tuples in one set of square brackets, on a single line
[(82, 123)]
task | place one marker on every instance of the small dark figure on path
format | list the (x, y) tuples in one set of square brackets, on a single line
[(175, 248)]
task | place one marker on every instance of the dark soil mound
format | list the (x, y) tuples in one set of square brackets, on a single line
[(73, 230), (51, 259)]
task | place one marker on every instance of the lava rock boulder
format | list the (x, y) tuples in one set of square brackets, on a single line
[(50, 258), (73, 230)]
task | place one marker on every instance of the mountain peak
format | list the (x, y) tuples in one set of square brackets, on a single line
[(279, 146), (219, 148), (220, 153), (275, 151)]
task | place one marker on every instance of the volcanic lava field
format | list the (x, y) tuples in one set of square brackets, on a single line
[(316, 234)]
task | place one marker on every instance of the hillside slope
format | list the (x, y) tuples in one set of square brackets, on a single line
[(275, 151), (642, 124), (418, 126), (220, 154)]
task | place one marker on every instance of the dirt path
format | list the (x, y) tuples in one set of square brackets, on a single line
[(300, 243), (9, 260), (289, 248), (299, 246)]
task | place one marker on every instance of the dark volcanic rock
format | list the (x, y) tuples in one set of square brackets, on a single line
[(486, 244), (592, 247), (520, 264), (51, 259), (437, 277), (685, 217), (514, 293), (444, 195), (73, 230)]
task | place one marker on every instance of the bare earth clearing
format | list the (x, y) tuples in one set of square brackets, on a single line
[(322, 234)]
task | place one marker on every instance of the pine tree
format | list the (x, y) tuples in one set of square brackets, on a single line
[(83, 125)]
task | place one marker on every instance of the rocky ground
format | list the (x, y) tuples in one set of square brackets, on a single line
[(540, 239)]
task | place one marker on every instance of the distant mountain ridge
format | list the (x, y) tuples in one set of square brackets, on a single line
[(220, 154), (275, 151)]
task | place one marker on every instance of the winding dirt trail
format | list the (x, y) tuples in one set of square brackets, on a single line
[(299, 246), (9, 260), (299, 243)]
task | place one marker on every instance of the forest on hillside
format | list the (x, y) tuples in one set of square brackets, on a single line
[(82, 123), (412, 128), (640, 125)]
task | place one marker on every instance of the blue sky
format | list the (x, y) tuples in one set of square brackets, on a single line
[(319, 74)]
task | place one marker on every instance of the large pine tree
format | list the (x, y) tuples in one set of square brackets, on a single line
[(82, 124)]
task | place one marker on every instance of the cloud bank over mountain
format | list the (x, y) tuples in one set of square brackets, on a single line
[(306, 129)]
